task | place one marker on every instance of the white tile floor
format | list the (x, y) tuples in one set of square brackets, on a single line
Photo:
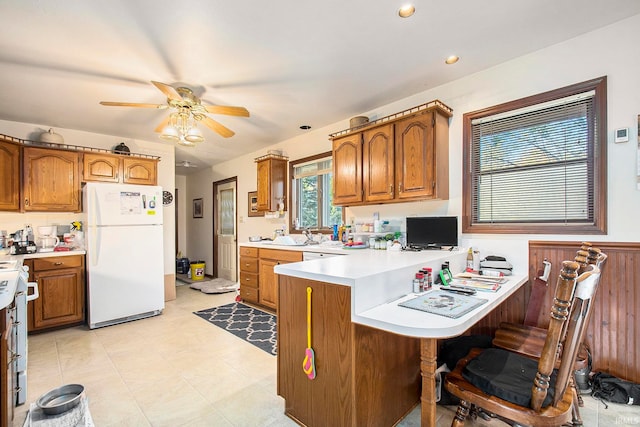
[(178, 370)]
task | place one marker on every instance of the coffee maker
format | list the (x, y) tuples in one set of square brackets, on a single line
[(48, 238)]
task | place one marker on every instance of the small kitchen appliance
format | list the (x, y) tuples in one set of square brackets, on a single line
[(23, 242), (48, 238)]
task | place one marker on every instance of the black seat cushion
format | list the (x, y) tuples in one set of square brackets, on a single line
[(506, 375)]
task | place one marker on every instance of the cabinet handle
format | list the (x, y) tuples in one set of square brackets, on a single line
[(26, 202), (58, 263), (391, 189), (247, 265), (247, 279)]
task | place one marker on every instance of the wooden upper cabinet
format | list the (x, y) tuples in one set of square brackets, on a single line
[(51, 180), (347, 169), (378, 164), (271, 182), (415, 165), (104, 167), (404, 157), (101, 167), (138, 170), (10, 179)]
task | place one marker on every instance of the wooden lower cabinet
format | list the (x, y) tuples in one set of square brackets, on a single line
[(249, 275), (268, 279), (61, 284), (364, 376)]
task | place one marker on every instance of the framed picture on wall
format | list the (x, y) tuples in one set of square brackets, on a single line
[(197, 208), (253, 204)]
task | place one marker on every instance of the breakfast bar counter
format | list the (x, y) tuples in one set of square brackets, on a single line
[(374, 360)]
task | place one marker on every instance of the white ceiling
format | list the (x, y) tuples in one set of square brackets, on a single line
[(289, 62)]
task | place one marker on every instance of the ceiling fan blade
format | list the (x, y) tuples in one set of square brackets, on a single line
[(168, 90), (230, 111), (217, 127), (133, 104), (162, 124)]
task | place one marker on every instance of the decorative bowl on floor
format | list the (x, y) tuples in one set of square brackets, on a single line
[(60, 399)]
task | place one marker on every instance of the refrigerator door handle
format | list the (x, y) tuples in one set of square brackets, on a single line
[(95, 246)]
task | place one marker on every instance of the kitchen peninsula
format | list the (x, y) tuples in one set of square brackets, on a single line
[(374, 360)]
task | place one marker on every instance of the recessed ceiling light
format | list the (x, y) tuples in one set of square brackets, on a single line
[(406, 11), (451, 60), (305, 127)]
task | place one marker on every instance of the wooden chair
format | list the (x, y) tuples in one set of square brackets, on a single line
[(522, 389), (529, 339)]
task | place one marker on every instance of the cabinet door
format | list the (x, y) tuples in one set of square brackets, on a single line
[(415, 159), (139, 171), (378, 164), (101, 167), (271, 184), (268, 283), (329, 399), (61, 300), (10, 182), (347, 170), (51, 180)]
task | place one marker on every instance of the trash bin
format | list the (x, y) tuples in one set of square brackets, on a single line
[(182, 265), (197, 270)]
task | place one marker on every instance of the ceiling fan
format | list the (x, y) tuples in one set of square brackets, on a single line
[(188, 111)]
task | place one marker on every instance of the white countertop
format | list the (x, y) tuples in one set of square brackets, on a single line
[(379, 280), (364, 263), (320, 248), (43, 255), (415, 323)]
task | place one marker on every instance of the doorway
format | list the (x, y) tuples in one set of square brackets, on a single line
[(225, 249)]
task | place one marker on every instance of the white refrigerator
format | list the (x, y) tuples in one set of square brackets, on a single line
[(124, 244)]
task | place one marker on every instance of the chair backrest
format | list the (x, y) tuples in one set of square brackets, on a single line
[(569, 287)]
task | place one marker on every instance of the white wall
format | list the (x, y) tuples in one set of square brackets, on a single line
[(166, 179), (611, 51)]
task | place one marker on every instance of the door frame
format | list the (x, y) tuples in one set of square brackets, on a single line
[(215, 221)]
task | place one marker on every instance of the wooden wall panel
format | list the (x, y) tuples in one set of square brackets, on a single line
[(612, 334)]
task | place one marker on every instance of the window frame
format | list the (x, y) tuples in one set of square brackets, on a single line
[(293, 200), (599, 159)]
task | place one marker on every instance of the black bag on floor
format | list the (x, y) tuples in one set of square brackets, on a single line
[(615, 390)]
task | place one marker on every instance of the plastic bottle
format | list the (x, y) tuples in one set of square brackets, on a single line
[(420, 277), (416, 286), (470, 259)]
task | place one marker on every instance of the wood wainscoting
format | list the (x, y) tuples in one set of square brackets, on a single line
[(613, 333)]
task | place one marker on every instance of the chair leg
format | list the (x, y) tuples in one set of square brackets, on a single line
[(461, 414), (578, 393), (576, 419)]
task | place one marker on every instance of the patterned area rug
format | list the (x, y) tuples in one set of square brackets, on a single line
[(248, 323)]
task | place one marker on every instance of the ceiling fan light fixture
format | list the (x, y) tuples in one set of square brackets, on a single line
[(185, 142), (170, 133), (194, 135)]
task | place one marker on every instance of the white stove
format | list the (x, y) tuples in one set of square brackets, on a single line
[(14, 289)]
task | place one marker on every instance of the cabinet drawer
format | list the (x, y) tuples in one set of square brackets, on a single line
[(57, 262), (281, 255), (249, 294), (244, 251), (250, 265), (248, 279)]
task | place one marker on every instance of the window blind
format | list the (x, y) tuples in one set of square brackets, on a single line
[(536, 164)]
